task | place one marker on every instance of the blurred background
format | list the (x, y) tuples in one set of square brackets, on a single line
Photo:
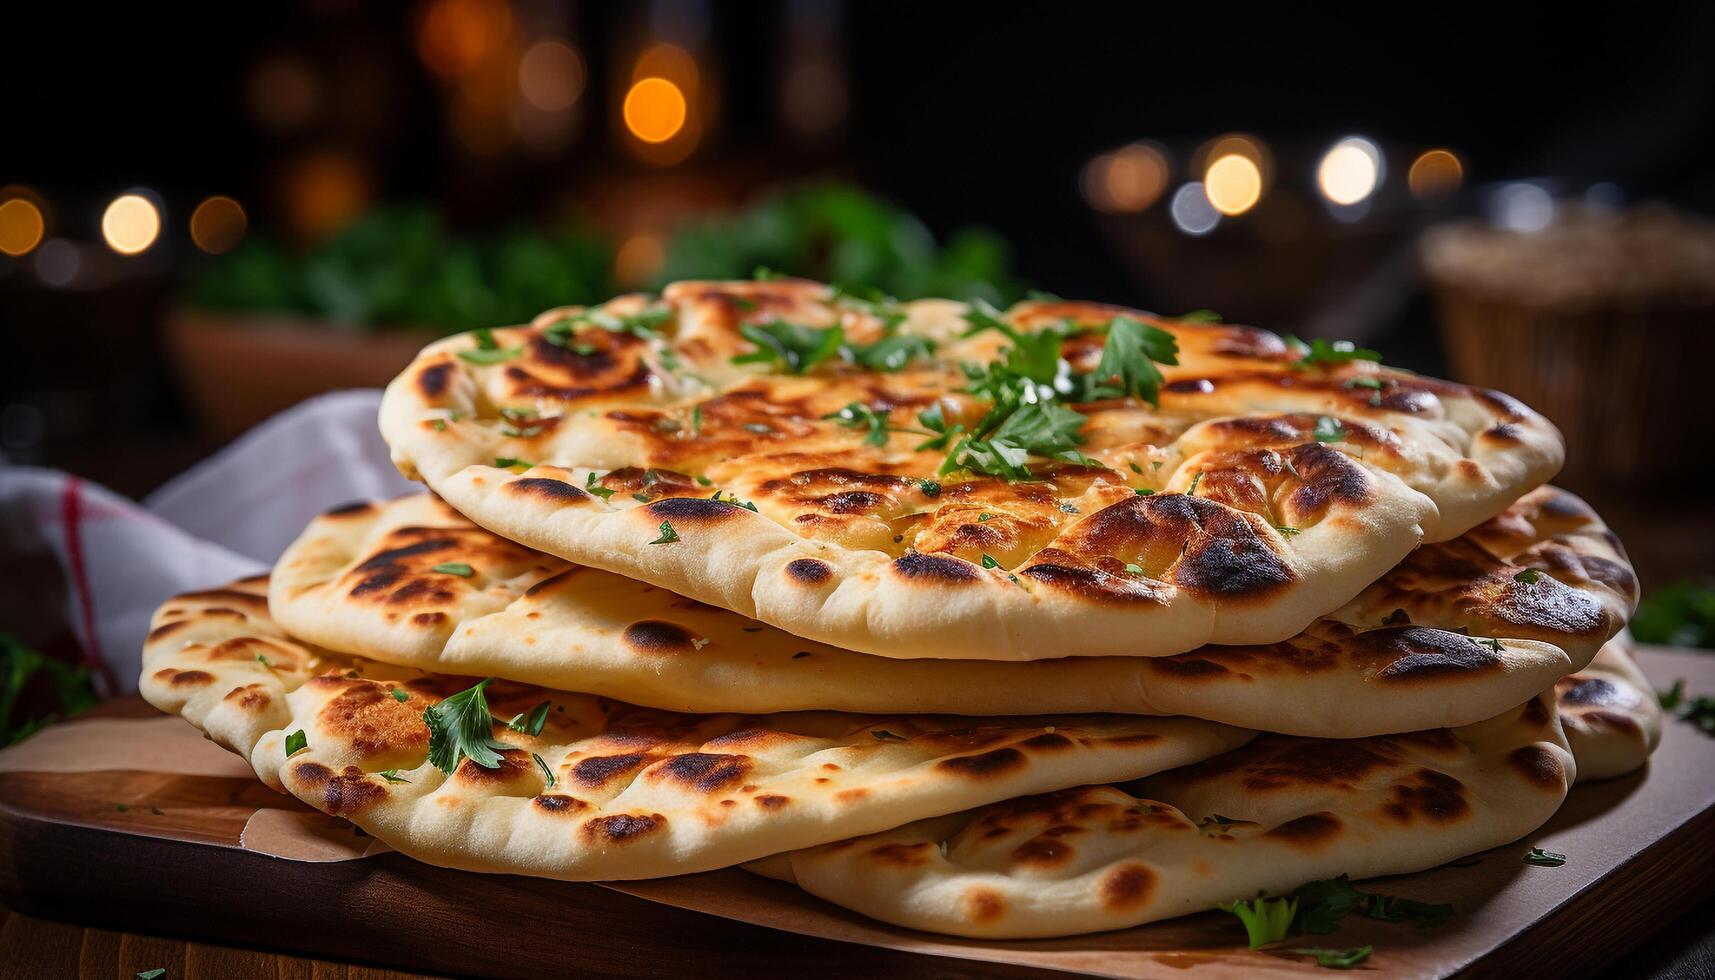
[(209, 214)]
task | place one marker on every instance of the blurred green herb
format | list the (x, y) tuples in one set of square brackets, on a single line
[(66, 690), (1681, 615)]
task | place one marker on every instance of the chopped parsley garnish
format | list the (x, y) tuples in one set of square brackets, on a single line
[(1039, 429), (1132, 568), (1129, 357), (984, 517), (1326, 902), (531, 723), (400, 695), (934, 420), (547, 773), (883, 735), (1319, 351), (487, 350), (262, 659), (1529, 576), (593, 487), (1287, 531), (1201, 316), (732, 498), (1328, 429), (929, 487), (1266, 920), (891, 353), (1196, 478), (791, 346), (668, 535), (1375, 384), (458, 568), (155, 974), (508, 462), (440, 425), (644, 325), (461, 727), (1492, 643), (1068, 508), (1544, 859), (858, 415), (990, 562), (1336, 959), (296, 742), (1143, 491), (392, 776), (697, 421), (1699, 711)]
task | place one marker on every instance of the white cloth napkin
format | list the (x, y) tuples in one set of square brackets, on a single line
[(227, 517)]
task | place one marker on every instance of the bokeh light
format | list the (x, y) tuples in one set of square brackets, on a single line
[(1129, 179), (638, 260), (1435, 175), (551, 75), (130, 224), (324, 191), (1522, 206), (1191, 211), (1233, 184), (1350, 171), (456, 36), (218, 224), (654, 109), (21, 226), (58, 262)]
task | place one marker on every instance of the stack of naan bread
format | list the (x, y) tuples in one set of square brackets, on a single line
[(1004, 624)]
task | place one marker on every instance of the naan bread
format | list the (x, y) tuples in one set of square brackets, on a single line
[(1611, 713), (361, 579), (619, 791), (1276, 491), (1262, 819)]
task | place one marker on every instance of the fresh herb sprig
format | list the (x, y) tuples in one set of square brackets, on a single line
[(857, 415), (461, 727), (1698, 711)]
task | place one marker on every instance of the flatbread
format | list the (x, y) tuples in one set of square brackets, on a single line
[(1277, 491), (1611, 713), (1260, 820), (362, 580), (636, 793)]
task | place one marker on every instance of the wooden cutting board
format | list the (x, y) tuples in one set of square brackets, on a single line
[(120, 843)]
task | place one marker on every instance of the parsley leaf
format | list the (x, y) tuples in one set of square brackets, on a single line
[(1043, 429), (644, 325), (793, 346), (1699, 711), (668, 535), (531, 725), (1328, 429), (857, 415), (1266, 920), (929, 487), (1129, 357), (934, 420), (1336, 959), (490, 356), (296, 742), (1529, 576), (1320, 351), (458, 568), (990, 562), (547, 773), (593, 487), (461, 727), (890, 353), (1544, 859), (507, 462), (400, 695), (392, 776), (1327, 901), (1200, 316)]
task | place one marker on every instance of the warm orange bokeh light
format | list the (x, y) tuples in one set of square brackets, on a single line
[(638, 260), (1233, 184), (456, 36), (655, 110), (130, 224), (21, 226), (1130, 178), (551, 75), (217, 224), (1434, 175), (324, 191)]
